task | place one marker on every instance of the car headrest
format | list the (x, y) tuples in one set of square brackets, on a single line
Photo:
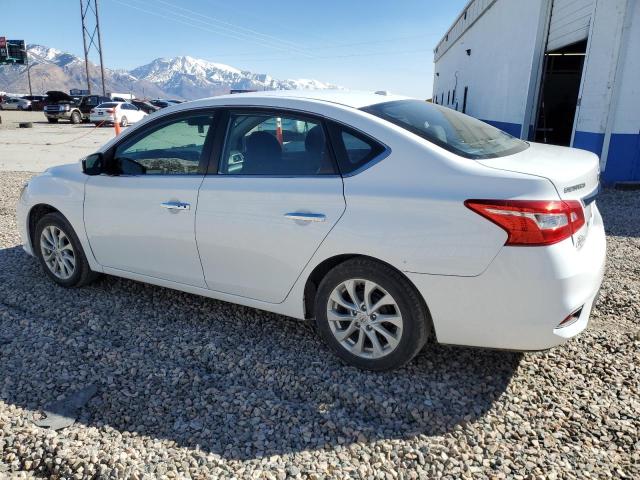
[(314, 141)]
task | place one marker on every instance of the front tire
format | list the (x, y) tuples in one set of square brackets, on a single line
[(60, 253), (76, 118), (370, 315), (124, 122)]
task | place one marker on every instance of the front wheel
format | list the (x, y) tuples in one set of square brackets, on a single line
[(76, 118), (124, 122), (60, 252), (370, 315)]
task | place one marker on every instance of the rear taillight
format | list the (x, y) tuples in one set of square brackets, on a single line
[(109, 110), (93, 110), (532, 222)]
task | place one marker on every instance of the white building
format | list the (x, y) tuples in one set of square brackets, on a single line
[(557, 71)]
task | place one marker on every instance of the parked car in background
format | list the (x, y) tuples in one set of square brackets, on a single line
[(161, 103), (122, 113), (15, 103), (145, 105), (387, 220), (37, 101), (62, 106)]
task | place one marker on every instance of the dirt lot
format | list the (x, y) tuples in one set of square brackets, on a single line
[(38, 148), (189, 387)]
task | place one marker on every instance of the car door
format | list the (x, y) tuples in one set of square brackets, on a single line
[(272, 200), (140, 215)]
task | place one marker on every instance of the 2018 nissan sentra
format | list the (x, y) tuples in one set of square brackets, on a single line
[(387, 220)]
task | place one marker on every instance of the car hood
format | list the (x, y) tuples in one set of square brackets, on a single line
[(574, 173), (57, 96)]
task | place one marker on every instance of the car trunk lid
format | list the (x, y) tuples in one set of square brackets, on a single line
[(574, 173)]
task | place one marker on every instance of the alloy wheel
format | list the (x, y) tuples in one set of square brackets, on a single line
[(364, 318), (57, 252)]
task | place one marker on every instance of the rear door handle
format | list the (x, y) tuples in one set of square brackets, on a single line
[(306, 217), (175, 205)]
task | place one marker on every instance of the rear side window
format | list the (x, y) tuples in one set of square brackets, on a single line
[(451, 130), (275, 144), (354, 150)]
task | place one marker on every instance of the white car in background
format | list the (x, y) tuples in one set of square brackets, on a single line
[(123, 113), (387, 220), (14, 103)]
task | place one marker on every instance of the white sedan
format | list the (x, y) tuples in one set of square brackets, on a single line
[(122, 113), (13, 103), (387, 220)]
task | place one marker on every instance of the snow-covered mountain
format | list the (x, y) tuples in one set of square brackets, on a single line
[(181, 77), (52, 69), (190, 77)]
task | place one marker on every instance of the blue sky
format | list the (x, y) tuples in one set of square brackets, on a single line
[(358, 44)]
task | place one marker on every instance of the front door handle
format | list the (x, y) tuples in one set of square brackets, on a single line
[(175, 205), (306, 217)]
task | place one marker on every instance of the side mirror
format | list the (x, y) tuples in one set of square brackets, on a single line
[(93, 164)]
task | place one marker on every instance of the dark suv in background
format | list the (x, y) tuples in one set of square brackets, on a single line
[(61, 106)]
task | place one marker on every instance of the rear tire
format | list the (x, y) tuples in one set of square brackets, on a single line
[(60, 253), (387, 324)]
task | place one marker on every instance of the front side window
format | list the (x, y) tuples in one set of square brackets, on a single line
[(275, 144), (451, 130), (173, 147)]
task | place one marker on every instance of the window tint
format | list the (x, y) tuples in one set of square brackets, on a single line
[(174, 147), (353, 149), (458, 133), (274, 144)]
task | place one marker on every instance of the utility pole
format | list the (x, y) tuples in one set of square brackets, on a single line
[(88, 38), (26, 58), (95, 4)]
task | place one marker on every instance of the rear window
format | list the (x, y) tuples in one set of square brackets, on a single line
[(108, 105), (451, 130)]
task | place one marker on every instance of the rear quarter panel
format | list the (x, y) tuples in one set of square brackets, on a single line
[(408, 210)]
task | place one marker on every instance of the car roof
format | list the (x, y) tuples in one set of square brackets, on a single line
[(349, 98)]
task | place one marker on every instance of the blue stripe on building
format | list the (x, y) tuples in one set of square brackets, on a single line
[(623, 160), (589, 141), (511, 128)]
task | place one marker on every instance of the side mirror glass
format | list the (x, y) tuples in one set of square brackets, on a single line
[(93, 164)]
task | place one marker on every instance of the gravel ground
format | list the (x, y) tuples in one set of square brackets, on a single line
[(189, 387)]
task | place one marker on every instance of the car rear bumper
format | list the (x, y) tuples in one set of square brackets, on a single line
[(520, 300), (101, 119)]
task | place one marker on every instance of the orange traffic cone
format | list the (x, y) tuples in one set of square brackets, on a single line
[(116, 125)]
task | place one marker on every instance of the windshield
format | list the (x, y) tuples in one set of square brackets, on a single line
[(451, 130)]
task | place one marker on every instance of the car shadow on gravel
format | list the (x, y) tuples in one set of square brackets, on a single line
[(230, 380)]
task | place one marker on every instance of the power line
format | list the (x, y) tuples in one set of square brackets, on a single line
[(255, 36), (295, 45), (225, 31)]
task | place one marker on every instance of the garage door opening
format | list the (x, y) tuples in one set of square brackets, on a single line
[(559, 94)]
